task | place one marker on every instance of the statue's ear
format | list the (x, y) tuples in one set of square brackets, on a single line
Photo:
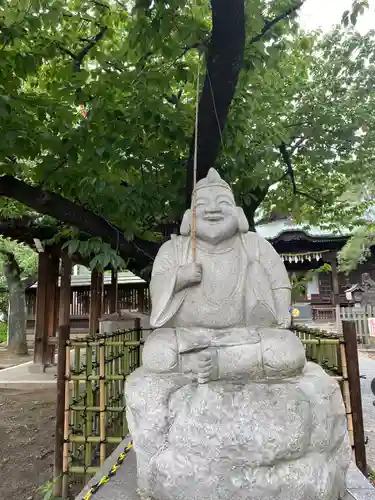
[(243, 224), (185, 227)]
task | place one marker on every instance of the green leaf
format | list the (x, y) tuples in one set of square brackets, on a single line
[(72, 246)]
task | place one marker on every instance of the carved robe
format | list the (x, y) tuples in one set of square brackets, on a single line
[(242, 286)]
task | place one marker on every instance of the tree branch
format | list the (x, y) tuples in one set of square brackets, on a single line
[(272, 22), (81, 55), (287, 158), (289, 168), (78, 58), (25, 230), (295, 146), (73, 214), (4, 45)]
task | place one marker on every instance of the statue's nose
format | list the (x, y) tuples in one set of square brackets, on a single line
[(212, 208)]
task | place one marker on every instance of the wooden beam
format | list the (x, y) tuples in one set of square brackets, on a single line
[(96, 291), (113, 293)]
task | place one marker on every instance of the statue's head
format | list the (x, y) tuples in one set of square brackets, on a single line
[(217, 216)]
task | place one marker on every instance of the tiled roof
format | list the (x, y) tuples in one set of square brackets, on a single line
[(274, 229), (84, 279)]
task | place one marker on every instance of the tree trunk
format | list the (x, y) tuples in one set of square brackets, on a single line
[(17, 342), (224, 62)]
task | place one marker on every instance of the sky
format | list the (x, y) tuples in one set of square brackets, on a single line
[(325, 13)]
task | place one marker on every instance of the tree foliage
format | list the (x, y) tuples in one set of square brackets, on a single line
[(300, 127), (358, 8)]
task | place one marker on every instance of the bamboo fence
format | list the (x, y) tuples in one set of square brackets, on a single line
[(338, 356), (94, 407), (94, 412)]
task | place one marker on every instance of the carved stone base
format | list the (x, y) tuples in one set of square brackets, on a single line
[(285, 440)]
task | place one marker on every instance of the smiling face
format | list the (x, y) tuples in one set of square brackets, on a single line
[(216, 214)]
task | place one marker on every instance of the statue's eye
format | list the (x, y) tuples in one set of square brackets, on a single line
[(225, 203)]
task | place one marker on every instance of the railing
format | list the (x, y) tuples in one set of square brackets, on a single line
[(323, 314), (338, 356), (360, 316), (322, 348), (128, 298), (91, 412), (91, 415)]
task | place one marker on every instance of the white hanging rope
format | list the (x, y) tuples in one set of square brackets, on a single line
[(194, 198)]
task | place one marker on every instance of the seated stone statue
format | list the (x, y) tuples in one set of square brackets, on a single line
[(225, 406)]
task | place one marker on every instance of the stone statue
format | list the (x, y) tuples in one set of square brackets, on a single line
[(225, 406)]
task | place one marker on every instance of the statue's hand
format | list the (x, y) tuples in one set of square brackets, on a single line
[(204, 367), (188, 275)]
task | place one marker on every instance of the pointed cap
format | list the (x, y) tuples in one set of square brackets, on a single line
[(212, 179)]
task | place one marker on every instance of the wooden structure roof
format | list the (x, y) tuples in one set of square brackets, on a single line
[(84, 279)]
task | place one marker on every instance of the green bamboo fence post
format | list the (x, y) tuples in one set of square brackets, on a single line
[(308, 348), (75, 416), (313, 357), (108, 383), (125, 368), (88, 425), (96, 385), (65, 477), (116, 369), (102, 397)]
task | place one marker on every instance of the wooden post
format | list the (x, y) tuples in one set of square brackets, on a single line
[(40, 339), (95, 301), (52, 306), (138, 337), (141, 299), (351, 353), (332, 259), (335, 281), (113, 293), (63, 336), (102, 401), (65, 478)]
